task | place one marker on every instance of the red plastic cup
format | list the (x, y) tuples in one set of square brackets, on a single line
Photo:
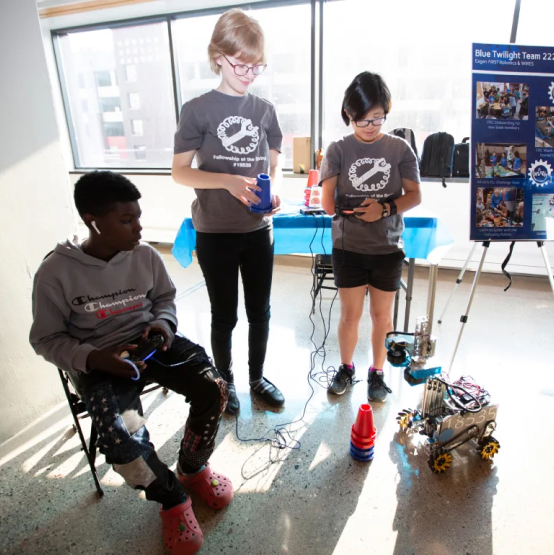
[(364, 427), (313, 178), (363, 442)]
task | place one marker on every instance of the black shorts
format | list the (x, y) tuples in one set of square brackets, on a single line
[(382, 271)]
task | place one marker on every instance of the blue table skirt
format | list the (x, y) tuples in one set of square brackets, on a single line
[(425, 236)]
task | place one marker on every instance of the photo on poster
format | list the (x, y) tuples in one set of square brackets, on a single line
[(500, 160), (543, 213), (544, 126), (499, 207), (504, 101)]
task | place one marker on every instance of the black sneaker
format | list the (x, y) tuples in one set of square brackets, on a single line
[(377, 389), (233, 405), (343, 377), (268, 392)]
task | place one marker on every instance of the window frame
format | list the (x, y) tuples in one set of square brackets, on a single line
[(57, 34), (316, 65)]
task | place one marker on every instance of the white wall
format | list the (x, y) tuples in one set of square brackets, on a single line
[(35, 212)]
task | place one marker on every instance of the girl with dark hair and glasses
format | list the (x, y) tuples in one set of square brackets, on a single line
[(377, 177), (235, 136)]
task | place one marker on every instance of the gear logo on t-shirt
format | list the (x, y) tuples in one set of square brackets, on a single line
[(234, 130), (362, 170)]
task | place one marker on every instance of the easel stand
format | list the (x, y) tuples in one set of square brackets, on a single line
[(458, 281), (465, 316)]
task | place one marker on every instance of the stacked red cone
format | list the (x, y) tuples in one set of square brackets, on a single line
[(362, 437)]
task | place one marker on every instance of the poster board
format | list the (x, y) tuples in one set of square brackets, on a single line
[(512, 143)]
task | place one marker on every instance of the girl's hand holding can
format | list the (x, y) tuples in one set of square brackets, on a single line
[(275, 204), (243, 189)]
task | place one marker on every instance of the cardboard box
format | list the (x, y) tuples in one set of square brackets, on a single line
[(301, 154)]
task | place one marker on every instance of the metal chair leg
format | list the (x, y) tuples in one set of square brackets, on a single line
[(77, 426), (92, 444)]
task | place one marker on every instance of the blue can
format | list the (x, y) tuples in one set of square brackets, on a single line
[(264, 183)]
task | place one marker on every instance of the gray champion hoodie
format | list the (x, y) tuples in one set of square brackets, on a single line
[(81, 303)]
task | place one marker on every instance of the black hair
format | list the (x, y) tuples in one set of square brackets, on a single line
[(367, 91), (97, 192)]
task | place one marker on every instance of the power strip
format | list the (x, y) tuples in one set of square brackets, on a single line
[(311, 211)]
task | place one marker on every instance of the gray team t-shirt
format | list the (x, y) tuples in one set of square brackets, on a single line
[(369, 171), (231, 134)]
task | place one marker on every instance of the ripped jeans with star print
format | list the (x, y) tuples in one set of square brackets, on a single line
[(116, 411)]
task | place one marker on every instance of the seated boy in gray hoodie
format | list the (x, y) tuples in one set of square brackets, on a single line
[(94, 301)]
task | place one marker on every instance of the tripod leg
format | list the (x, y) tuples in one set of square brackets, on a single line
[(433, 271), (463, 319), (541, 246), (396, 301), (458, 281), (409, 290)]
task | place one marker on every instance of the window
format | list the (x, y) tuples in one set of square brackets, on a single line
[(425, 59), (138, 127), (110, 104), (140, 153), (114, 129), (130, 72), (134, 101), (188, 70), (119, 103), (286, 81), (119, 80), (102, 78), (192, 36), (532, 16)]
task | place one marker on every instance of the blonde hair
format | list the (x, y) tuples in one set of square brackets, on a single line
[(237, 33)]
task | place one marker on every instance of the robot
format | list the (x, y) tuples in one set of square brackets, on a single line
[(451, 413)]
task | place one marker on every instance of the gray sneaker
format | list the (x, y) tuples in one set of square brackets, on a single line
[(377, 389), (342, 379)]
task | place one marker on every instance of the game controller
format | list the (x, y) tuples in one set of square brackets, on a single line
[(345, 211), (147, 347)]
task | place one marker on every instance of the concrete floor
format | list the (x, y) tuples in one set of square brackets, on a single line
[(317, 500)]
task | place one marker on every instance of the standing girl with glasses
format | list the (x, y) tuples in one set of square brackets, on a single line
[(235, 136), (377, 176)]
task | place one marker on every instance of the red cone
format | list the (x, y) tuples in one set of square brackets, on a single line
[(364, 427), (362, 442)]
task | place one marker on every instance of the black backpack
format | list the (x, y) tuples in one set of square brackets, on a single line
[(408, 135), (436, 160), (460, 159)]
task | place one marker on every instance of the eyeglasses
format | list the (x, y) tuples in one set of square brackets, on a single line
[(377, 122), (241, 69)]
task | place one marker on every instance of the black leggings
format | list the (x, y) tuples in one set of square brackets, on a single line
[(221, 255)]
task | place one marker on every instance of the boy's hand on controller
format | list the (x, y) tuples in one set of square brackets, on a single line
[(109, 360), (243, 189), (369, 211), (276, 205), (153, 329)]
